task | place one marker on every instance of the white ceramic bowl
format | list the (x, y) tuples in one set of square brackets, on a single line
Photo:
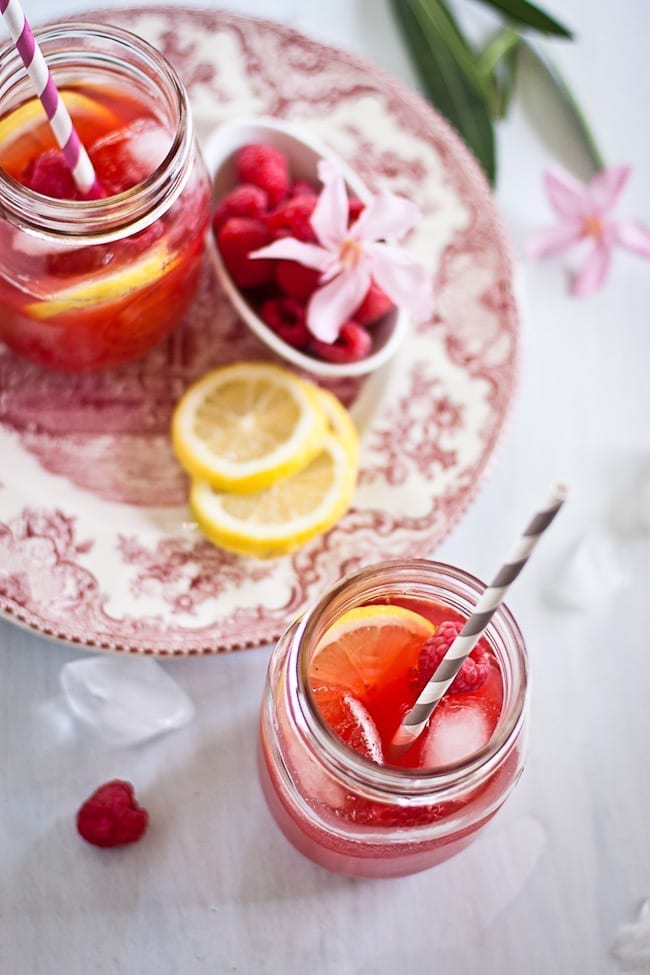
[(303, 153)]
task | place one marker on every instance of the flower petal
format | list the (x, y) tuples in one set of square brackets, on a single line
[(633, 236), (407, 283), (290, 249), (331, 306), (607, 185), (594, 271), (554, 240), (568, 197), (330, 217), (387, 217)]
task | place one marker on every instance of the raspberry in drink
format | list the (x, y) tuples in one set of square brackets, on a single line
[(86, 285), (340, 683)]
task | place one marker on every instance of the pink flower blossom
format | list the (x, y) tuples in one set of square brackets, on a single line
[(585, 214), (348, 258)]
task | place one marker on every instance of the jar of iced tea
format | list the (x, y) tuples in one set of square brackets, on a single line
[(90, 284), (339, 683)]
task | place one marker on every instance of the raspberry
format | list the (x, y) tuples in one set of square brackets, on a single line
[(475, 668), (355, 207), (237, 238), (264, 166), (286, 317), (303, 188), (49, 174), (352, 345), (111, 816), (246, 200), (374, 306), (295, 279), (293, 219)]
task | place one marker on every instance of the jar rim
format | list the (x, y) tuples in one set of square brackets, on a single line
[(100, 220), (397, 780)]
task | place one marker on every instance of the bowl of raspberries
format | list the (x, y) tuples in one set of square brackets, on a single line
[(267, 181)]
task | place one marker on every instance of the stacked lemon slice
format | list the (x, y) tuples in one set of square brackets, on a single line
[(273, 458)]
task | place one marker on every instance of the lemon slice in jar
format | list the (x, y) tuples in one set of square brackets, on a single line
[(297, 508), (31, 114), (245, 426), (102, 289)]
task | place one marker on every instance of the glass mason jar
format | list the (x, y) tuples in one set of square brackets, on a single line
[(339, 808), (91, 284)]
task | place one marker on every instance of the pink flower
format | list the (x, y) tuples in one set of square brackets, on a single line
[(348, 258), (585, 214)]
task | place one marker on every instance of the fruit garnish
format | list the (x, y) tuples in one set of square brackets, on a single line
[(293, 510), (111, 816), (363, 645), (246, 200), (108, 288), (236, 239), (474, 670), (245, 426), (352, 345), (265, 166)]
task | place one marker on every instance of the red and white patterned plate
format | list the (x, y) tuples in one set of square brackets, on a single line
[(96, 544)]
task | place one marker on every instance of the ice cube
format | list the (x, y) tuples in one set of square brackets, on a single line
[(589, 573), (457, 729), (124, 158), (126, 700), (147, 144), (632, 945)]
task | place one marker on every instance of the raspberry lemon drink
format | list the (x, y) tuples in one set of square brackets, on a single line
[(340, 682), (90, 284)]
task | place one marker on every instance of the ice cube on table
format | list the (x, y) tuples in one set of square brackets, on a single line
[(589, 573), (126, 700), (457, 729), (632, 945)]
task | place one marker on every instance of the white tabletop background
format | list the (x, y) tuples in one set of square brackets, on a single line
[(214, 887)]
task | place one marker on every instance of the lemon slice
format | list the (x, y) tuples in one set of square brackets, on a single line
[(282, 517), (297, 508), (31, 114), (361, 647), (104, 289), (245, 426)]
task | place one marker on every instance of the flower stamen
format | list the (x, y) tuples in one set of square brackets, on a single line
[(350, 253)]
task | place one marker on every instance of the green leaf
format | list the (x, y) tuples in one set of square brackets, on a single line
[(497, 64), (441, 56), (568, 99), (528, 15)]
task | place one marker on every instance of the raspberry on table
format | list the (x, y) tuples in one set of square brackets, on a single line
[(111, 816), (246, 200), (296, 280), (293, 219), (374, 306), (286, 317), (236, 239), (352, 345), (474, 670), (265, 166)]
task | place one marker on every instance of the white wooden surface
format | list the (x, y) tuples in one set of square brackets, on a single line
[(214, 887)]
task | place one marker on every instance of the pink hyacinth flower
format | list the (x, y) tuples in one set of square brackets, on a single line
[(349, 257), (585, 214)]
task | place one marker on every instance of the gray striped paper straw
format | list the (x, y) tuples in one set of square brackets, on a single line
[(58, 116), (416, 719)]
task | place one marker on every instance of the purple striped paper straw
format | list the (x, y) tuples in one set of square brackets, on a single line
[(59, 118), (415, 721)]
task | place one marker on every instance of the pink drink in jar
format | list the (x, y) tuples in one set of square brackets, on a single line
[(328, 719), (90, 284)]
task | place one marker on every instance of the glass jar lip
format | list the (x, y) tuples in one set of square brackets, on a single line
[(391, 779), (99, 220)]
